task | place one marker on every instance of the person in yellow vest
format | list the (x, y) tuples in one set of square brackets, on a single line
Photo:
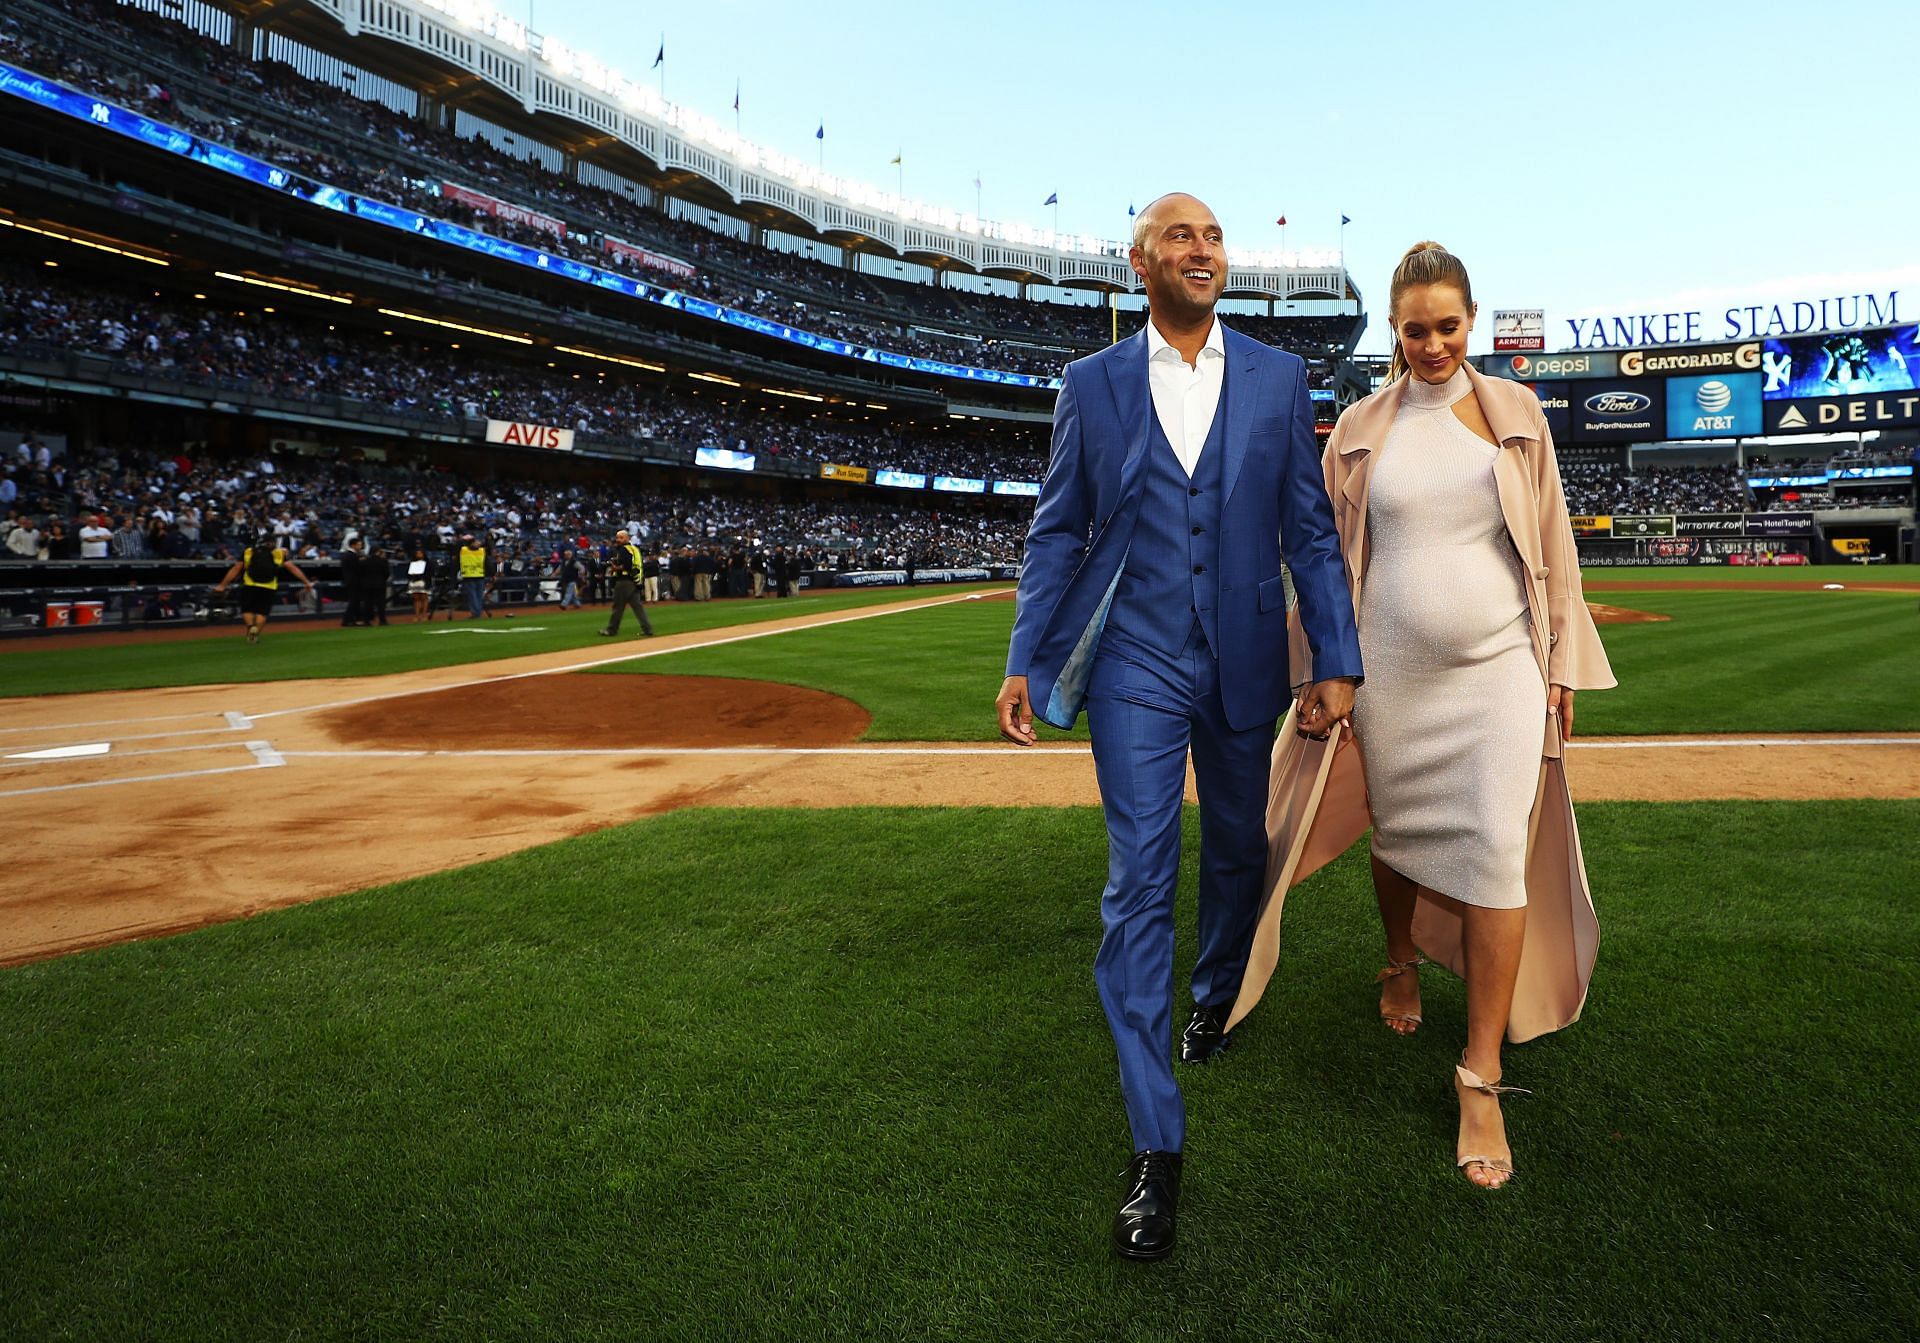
[(625, 565), (473, 575), (258, 569)]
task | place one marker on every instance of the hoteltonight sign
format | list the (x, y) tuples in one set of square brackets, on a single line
[(1756, 321)]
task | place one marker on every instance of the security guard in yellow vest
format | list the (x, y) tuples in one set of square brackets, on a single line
[(258, 569), (625, 565), (473, 576)]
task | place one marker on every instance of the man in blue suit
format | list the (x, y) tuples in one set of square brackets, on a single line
[(1184, 466)]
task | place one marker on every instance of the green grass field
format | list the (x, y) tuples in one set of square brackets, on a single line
[(724, 1075), (1750, 648), (69, 663), (1763, 661)]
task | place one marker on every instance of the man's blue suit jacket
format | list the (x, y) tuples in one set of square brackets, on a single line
[(1275, 500)]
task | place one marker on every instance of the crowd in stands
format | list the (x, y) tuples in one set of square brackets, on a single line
[(1595, 488), (186, 79), (135, 504), (279, 355)]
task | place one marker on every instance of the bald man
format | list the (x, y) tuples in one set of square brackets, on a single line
[(1184, 468)]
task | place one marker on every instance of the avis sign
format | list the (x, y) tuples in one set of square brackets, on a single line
[(517, 435)]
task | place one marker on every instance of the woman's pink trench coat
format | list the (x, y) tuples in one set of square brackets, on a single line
[(1317, 804)]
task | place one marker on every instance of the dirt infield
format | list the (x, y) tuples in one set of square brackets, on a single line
[(1620, 615), (575, 712), (207, 803)]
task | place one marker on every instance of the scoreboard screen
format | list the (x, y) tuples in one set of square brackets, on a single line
[(1842, 363)]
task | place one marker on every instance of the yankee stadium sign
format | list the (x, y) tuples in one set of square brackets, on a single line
[(1748, 323)]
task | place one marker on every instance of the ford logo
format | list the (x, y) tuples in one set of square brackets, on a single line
[(1619, 403)]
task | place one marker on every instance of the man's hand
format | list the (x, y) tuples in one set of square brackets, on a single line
[(1560, 702), (1016, 711), (1324, 704)]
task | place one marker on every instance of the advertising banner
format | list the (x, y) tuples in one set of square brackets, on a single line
[(835, 471), (901, 480), (1642, 526), (1721, 406), (1619, 412), (640, 256), (1779, 524), (1557, 406), (898, 578), (1573, 364), (507, 210), (1709, 524), (1519, 329), (519, 435), (726, 459), (1678, 552), (1835, 414), (1691, 359), (1026, 489), (959, 485), (1601, 525), (1843, 363)]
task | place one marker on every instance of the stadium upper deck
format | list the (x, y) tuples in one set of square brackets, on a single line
[(350, 145), (465, 53)]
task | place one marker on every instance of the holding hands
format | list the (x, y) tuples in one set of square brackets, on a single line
[(1324, 704)]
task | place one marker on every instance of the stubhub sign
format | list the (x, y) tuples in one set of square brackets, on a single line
[(1720, 405)]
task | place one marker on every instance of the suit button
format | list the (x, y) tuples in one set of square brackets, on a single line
[(1192, 490), (1196, 531), (1199, 568)]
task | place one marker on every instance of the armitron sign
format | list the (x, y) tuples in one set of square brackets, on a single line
[(515, 434), (1520, 329)]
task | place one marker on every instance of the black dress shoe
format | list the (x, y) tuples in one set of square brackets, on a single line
[(1143, 1228), (1206, 1033)]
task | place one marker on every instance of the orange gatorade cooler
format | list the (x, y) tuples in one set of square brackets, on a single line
[(58, 614), (89, 613)]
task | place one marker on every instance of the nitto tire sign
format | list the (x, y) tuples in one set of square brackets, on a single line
[(1710, 524)]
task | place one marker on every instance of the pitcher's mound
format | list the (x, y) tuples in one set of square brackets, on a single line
[(1620, 615), (571, 711)]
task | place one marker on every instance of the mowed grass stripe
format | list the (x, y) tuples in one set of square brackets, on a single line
[(843, 1074), (1762, 661), (289, 652)]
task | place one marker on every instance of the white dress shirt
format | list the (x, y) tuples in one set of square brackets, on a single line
[(1185, 396)]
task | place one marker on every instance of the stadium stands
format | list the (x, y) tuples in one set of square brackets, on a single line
[(169, 72)]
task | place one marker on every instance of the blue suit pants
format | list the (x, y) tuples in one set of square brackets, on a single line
[(1146, 710)]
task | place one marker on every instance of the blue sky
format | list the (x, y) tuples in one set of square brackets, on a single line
[(1581, 158)]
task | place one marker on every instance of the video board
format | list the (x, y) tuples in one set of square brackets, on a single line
[(1842, 363)]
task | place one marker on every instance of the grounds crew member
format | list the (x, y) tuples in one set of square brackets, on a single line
[(473, 575), (625, 565), (259, 569)]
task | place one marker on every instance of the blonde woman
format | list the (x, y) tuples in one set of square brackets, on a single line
[(1475, 638)]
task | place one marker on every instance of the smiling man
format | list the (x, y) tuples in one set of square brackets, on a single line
[(1184, 466)]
